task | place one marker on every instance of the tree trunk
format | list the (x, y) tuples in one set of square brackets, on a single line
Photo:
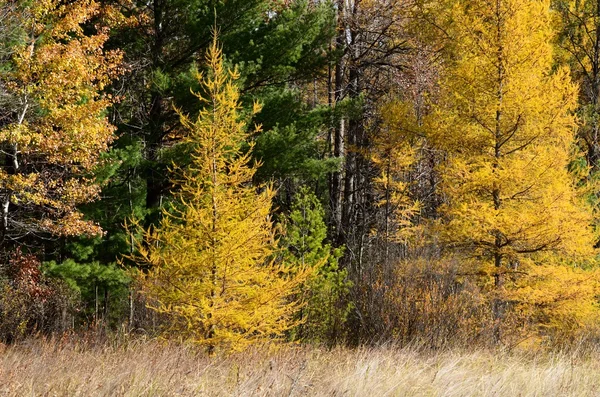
[(154, 176)]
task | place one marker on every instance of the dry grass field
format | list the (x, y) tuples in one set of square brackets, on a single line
[(152, 369)]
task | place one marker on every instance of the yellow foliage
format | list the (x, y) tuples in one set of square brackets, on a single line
[(57, 129), (558, 296), (209, 265), (506, 122), (394, 152)]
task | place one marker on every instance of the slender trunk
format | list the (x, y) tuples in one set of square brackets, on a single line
[(131, 309), (106, 306), (353, 211), (97, 306), (498, 303), (12, 168), (594, 144), (131, 250), (330, 103), (352, 196), (335, 189), (351, 141), (154, 176), (214, 242), (387, 210)]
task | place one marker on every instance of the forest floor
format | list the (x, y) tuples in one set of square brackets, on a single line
[(151, 369)]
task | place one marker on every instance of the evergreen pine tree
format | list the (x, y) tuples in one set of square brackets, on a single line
[(326, 291)]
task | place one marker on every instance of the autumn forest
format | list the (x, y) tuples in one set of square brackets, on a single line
[(230, 173)]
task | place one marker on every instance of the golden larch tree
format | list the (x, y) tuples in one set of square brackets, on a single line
[(505, 121), (53, 124), (209, 262), (395, 154)]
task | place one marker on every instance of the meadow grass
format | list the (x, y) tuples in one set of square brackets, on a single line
[(146, 368)]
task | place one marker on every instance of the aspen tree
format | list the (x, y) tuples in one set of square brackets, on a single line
[(209, 260), (53, 126)]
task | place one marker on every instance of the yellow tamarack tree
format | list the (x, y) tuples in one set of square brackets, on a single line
[(506, 122), (209, 262), (395, 153)]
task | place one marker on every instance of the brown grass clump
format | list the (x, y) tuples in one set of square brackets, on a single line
[(152, 369)]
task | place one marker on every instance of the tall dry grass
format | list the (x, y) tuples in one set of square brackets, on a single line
[(151, 369)]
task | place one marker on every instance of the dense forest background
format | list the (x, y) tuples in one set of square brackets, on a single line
[(348, 171)]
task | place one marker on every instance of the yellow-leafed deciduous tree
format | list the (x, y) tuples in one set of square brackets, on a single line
[(395, 153), (210, 266), (505, 121), (53, 125)]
